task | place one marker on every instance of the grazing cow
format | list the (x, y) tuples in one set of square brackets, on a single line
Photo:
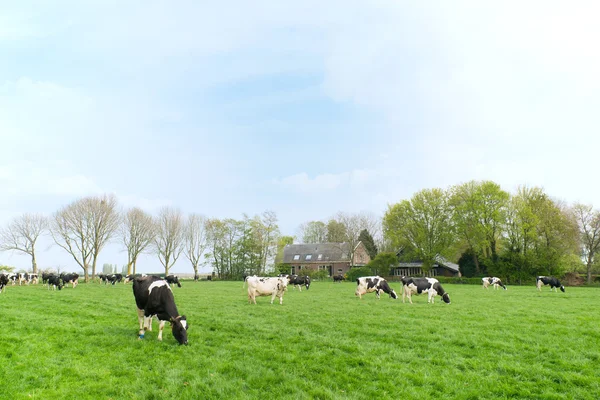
[(33, 279), (54, 281), (114, 278), (3, 282), (419, 285), (172, 280), (12, 277), (265, 286), (299, 281), (102, 278), (153, 296), (45, 276), (549, 280), (72, 278), (377, 284), (487, 281), (338, 278)]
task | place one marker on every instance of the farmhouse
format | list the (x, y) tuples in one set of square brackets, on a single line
[(442, 267), (331, 257)]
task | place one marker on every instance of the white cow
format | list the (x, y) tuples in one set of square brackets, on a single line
[(266, 286)]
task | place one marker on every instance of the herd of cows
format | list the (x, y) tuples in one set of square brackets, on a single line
[(154, 297)]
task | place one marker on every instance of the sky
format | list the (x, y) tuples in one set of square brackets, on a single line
[(303, 108)]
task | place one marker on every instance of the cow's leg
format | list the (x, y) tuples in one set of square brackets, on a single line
[(273, 297), (299, 287), (161, 325), (281, 299), (141, 320)]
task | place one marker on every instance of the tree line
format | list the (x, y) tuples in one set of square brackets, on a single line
[(84, 227), (490, 231)]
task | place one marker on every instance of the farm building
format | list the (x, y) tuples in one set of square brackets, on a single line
[(332, 257)]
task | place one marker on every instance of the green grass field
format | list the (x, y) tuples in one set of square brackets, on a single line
[(323, 343)]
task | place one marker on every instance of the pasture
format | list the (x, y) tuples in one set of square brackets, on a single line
[(321, 344)]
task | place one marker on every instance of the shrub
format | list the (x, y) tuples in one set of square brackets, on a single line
[(358, 272)]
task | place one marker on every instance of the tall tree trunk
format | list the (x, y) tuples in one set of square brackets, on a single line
[(476, 261), (589, 269), (33, 262)]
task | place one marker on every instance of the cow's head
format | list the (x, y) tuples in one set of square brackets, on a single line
[(179, 327), (446, 298), (393, 294), (562, 288)]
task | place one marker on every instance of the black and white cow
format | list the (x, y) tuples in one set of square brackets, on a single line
[(33, 279), (3, 281), (299, 281), (114, 278), (431, 286), (549, 280), (266, 286), (172, 280), (71, 278), (54, 281), (338, 278), (45, 276), (369, 284), (153, 296), (487, 281), (13, 278)]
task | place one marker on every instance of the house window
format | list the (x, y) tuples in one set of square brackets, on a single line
[(296, 256), (308, 257), (320, 256), (339, 270), (344, 256)]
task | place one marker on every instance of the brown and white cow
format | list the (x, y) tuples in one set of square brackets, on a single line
[(266, 286), (487, 281), (369, 284), (431, 286)]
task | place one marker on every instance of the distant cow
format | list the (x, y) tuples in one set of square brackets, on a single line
[(54, 281), (114, 278), (45, 276), (338, 278), (153, 296), (487, 281), (549, 280), (265, 286), (3, 281), (369, 284), (71, 278), (172, 280), (33, 279), (431, 286), (299, 281)]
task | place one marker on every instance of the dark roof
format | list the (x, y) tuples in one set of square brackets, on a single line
[(329, 252)]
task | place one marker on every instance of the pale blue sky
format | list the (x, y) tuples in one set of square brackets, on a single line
[(304, 108)]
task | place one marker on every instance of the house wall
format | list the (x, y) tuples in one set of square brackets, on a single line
[(361, 256), (332, 268)]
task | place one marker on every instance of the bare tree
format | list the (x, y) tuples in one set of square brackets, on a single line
[(353, 224), (169, 239), (269, 234), (21, 235), (195, 239), (137, 232), (84, 227), (588, 220)]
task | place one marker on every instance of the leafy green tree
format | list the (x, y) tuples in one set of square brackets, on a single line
[(422, 225), (479, 214), (336, 232), (366, 238), (382, 263)]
